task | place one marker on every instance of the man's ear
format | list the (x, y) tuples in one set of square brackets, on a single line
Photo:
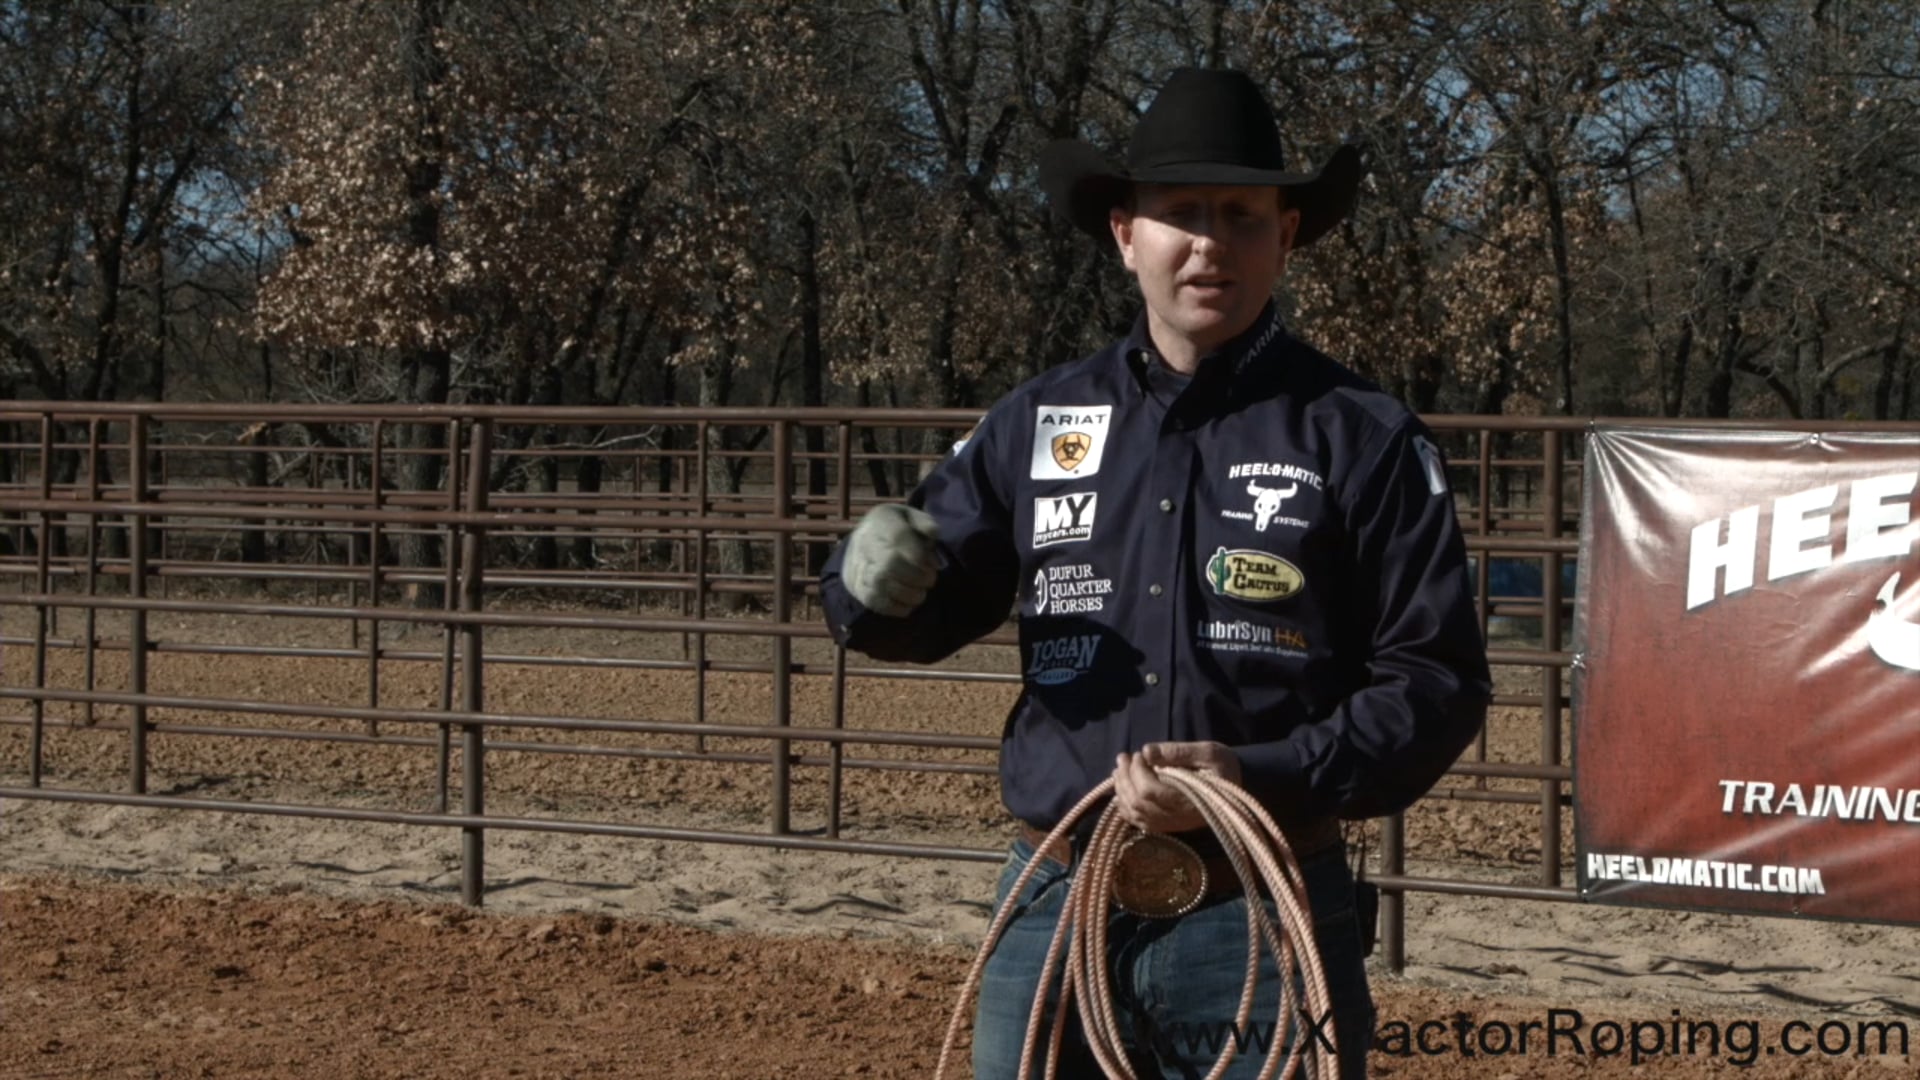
[(1289, 228), (1121, 222)]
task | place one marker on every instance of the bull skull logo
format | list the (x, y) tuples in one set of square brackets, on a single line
[(1266, 502), (1891, 638)]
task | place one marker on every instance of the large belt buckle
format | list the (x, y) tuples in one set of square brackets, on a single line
[(1158, 877)]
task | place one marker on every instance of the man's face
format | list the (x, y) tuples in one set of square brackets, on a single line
[(1207, 257)]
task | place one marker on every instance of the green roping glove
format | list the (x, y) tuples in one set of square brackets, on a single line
[(890, 562)]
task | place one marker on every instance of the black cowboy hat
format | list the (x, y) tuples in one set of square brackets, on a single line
[(1204, 127)]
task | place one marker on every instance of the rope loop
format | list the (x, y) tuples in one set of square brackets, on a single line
[(1260, 856)]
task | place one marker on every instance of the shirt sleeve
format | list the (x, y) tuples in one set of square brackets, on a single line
[(979, 566), (1427, 682)]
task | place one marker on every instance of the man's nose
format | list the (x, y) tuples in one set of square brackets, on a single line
[(1206, 229)]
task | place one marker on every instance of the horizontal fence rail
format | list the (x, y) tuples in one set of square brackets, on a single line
[(484, 545)]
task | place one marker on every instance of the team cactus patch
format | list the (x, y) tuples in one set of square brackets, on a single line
[(1253, 575)]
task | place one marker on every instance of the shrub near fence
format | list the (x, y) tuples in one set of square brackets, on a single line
[(422, 535)]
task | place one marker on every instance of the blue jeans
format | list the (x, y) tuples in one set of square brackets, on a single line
[(1176, 982)]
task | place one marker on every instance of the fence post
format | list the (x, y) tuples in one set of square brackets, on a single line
[(449, 598), (137, 618), (836, 751), (702, 507), (1393, 903), (43, 584), (1550, 676), (1483, 572), (373, 573), (92, 618), (782, 614), (318, 549), (163, 468), (472, 735)]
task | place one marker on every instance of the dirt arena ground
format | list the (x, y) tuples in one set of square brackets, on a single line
[(159, 943)]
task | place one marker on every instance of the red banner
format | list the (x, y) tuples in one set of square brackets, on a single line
[(1746, 691)]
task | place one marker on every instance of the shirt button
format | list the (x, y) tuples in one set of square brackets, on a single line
[(1152, 679), (1154, 590), (1166, 505)]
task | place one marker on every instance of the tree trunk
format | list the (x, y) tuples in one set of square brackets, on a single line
[(544, 479), (1673, 386), (586, 482), (1883, 383), (948, 263), (1562, 293), (1733, 291), (1906, 392), (1054, 337), (813, 381), (428, 365), (112, 247), (731, 557), (543, 471), (423, 467), (870, 446), (12, 541), (115, 542), (667, 466), (253, 542)]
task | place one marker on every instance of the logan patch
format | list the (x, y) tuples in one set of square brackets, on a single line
[(1062, 660)]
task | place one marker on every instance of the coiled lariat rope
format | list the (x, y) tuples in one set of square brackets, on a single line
[(1255, 846)]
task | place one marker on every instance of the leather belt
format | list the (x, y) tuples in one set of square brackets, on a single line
[(1164, 877)]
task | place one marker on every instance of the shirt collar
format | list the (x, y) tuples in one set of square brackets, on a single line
[(1220, 371)]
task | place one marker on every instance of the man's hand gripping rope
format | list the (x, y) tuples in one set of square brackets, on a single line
[(1255, 846)]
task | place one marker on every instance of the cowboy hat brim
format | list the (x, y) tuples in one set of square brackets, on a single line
[(1083, 186)]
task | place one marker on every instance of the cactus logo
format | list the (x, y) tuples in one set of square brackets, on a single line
[(1258, 576)]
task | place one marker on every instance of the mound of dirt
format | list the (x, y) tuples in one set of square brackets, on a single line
[(108, 979)]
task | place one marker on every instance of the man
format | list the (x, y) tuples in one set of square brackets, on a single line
[(1230, 554)]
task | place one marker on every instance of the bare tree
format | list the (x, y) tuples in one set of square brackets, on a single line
[(1674, 207)]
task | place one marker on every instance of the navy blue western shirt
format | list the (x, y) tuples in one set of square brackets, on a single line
[(1265, 555)]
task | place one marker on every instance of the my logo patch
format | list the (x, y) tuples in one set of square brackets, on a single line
[(1064, 519)]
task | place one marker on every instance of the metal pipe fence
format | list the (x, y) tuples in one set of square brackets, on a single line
[(366, 532)]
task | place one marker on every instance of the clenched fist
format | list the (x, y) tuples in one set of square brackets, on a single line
[(1155, 805), (890, 562)]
